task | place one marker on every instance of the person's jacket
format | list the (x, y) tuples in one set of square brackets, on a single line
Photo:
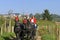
[(33, 20)]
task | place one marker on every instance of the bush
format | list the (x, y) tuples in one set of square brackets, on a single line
[(1, 38), (6, 36), (48, 37), (48, 33)]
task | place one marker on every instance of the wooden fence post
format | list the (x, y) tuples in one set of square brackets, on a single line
[(59, 34), (1, 30), (12, 29), (9, 27), (5, 25)]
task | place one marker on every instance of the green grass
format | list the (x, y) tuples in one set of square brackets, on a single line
[(6, 36), (48, 33), (49, 37), (1, 38), (44, 23), (1, 21)]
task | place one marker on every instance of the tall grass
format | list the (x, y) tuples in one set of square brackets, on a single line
[(47, 30)]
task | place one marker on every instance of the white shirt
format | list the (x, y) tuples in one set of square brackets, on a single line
[(32, 20)]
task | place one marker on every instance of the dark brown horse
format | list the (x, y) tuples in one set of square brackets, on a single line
[(18, 30)]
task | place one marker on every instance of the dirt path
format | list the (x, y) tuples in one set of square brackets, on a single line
[(37, 36)]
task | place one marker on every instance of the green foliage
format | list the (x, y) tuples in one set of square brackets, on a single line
[(46, 15), (56, 17), (20, 20), (31, 15), (12, 22), (37, 15), (48, 33), (1, 38), (48, 37), (45, 23), (6, 36), (2, 20)]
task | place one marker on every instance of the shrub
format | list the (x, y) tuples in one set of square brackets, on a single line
[(7, 36), (48, 37), (1, 38)]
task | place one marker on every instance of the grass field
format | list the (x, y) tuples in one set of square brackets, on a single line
[(47, 30)]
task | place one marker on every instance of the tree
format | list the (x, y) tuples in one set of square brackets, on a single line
[(46, 15), (31, 15), (37, 15)]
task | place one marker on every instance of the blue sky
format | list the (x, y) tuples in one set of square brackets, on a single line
[(30, 6)]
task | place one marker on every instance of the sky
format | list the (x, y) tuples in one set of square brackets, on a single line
[(30, 6)]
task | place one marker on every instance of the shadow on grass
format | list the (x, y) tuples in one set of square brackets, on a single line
[(9, 38)]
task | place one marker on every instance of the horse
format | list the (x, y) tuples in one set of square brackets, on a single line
[(30, 30), (18, 30), (33, 31), (21, 30)]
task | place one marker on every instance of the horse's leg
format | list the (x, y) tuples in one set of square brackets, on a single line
[(22, 35), (34, 35), (18, 37)]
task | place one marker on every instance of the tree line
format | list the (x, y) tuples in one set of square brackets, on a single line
[(44, 16)]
